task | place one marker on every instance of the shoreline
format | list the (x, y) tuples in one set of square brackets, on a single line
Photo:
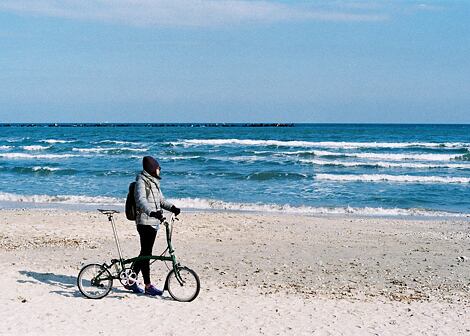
[(83, 207), (259, 272)]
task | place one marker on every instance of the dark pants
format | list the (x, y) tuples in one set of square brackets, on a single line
[(147, 238)]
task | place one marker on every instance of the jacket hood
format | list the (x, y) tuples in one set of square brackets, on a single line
[(150, 165)]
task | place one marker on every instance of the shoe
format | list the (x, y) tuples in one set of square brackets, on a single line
[(151, 290), (136, 289)]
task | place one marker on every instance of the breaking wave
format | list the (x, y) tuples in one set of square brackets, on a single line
[(269, 175), (379, 156), (114, 150), (43, 170), (320, 144), (64, 199), (53, 141), (35, 147), (391, 178), (216, 205), (118, 142), (207, 204), (35, 156), (384, 164)]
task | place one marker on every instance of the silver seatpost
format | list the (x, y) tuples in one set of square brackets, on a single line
[(111, 219)]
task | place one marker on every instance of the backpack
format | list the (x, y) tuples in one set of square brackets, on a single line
[(130, 203)]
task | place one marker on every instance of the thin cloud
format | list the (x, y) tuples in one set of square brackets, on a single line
[(428, 7), (185, 12)]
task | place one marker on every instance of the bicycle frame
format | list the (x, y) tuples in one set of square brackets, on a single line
[(123, 262), (95, 281)]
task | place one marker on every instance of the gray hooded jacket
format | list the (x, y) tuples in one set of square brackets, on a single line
[(148, 198)]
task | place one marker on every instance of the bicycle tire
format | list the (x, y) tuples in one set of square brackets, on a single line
[(187, 291), (91, 287)]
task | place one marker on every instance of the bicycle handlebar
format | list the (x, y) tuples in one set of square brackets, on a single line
[(171, 221), (112, 211)]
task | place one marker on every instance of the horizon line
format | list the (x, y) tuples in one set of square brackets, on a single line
[(226, 124)]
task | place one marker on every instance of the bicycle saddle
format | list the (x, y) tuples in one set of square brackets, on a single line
[(108, 212)]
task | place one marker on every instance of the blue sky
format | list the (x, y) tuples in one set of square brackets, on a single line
[(234, 61)]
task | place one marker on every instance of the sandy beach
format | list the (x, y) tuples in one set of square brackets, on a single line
[(261, 274)]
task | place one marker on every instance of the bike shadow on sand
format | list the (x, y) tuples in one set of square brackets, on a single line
[(67, 285)]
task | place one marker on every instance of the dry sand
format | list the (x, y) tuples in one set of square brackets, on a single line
[(261, 274)]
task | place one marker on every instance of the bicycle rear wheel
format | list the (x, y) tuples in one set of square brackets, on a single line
[(186, 287), (94, 281)]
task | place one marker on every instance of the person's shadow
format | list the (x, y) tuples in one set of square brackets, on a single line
[(66, 284)]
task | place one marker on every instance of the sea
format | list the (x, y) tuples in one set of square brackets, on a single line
[(363, 169)]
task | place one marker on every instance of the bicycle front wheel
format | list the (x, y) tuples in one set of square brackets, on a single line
[(183, 285), (94, 281)]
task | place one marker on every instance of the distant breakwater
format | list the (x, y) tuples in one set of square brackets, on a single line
[(146, 125)]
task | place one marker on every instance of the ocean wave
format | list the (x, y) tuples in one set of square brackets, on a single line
[(176, 158), (243, 158), (43, 170), (65, 199), (35, 156), (320, 144), (269, 175), (12, 140), (465, 157), (382, 164), (35, 147), (118, 142), (391, 178), (53, 141), (38, 168), (5, 147), (114, 173), (208, 204), (377, 156), (108, 150)]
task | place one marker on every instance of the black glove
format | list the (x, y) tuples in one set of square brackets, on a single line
[(158, 215), (175, 210)]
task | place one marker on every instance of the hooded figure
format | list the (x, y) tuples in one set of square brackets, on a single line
[(150, 166), (149, 214)]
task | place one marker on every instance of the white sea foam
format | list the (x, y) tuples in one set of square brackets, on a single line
[(65, 199), (399, 157), (53, 141), (180, 157), (17, 139), (39, 168), (391, 178), (208, 204), (320, 144), (108, 149), (379, 156), (242, 158), (35, 156), (118, 142), (90, 150), (5, 147), (35, 147), (133, 149), (382, 164), (248, 158)]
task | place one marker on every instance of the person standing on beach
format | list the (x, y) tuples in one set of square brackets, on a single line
[(149, 214)]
